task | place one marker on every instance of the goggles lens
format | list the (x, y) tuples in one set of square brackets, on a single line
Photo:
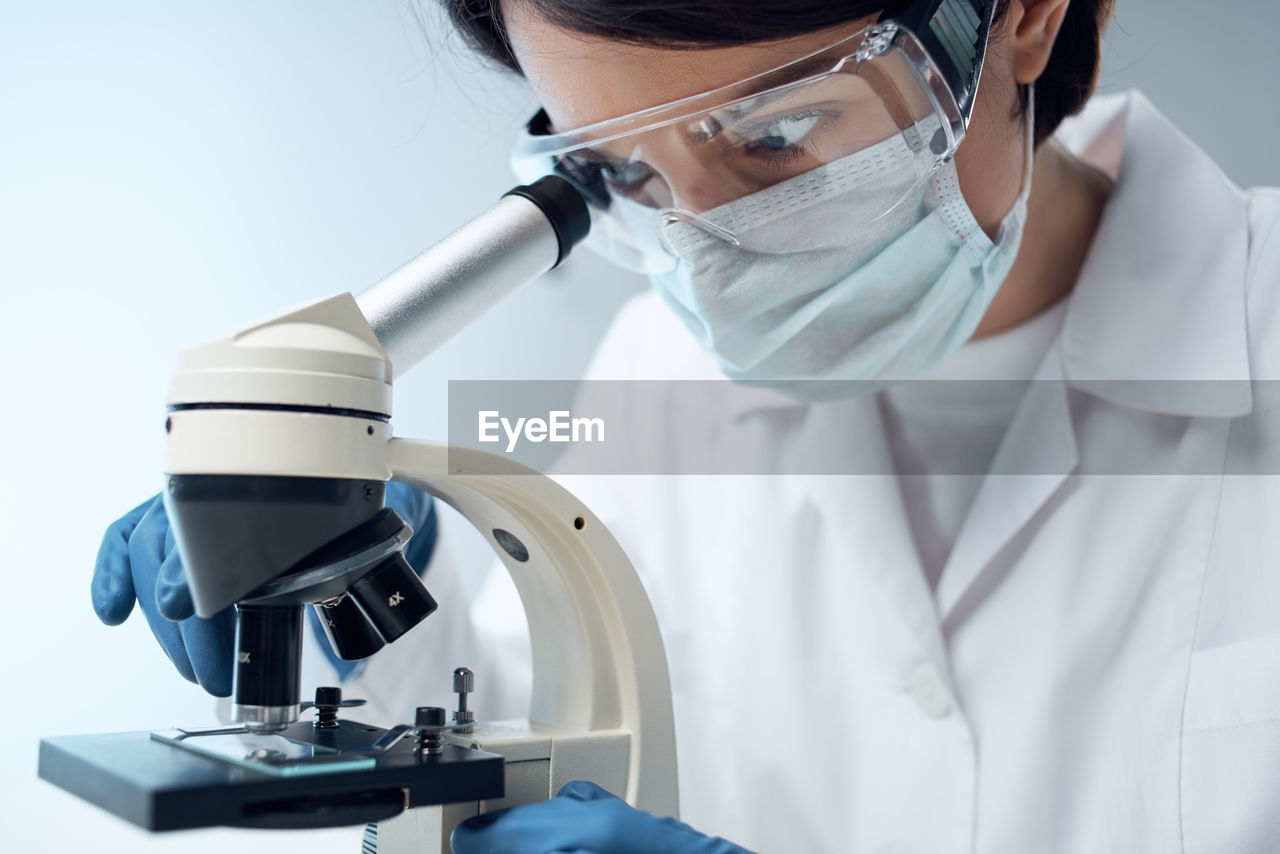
[(866, 121)]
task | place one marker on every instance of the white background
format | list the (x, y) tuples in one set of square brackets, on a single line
[(170, 171)]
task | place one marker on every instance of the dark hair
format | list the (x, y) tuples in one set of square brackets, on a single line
[(1062, 90)]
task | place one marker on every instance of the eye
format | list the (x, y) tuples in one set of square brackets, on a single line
[(779, 134), (598, 178), (606, 173), (625, 175)]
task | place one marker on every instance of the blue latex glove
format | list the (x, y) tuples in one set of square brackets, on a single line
[(138, 561), (582, 818)]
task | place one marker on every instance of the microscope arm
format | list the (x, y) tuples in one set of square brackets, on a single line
[(588, 613), (601, 705)]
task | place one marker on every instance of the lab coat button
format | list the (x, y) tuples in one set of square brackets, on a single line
[(930, 694)]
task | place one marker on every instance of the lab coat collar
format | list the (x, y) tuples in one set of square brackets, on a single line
[(1038, 453), (1156, 320), (866, 512)]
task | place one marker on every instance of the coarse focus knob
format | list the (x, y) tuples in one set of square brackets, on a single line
[(329, 696), (328, 701), (464, 681), (429, 716)]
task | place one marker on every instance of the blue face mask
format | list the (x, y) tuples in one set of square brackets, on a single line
[(879, 304)]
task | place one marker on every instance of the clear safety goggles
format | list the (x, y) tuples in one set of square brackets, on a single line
[(893, 99)]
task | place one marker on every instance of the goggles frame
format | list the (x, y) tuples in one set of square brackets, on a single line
[(945, 44), (954, 33)]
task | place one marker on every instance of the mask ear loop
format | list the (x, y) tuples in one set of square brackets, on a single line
[(1029, 156)]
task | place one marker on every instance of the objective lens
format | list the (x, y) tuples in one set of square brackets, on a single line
[(268, 675), (349, 633), (392, 597)]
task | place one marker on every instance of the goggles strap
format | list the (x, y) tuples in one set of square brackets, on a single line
[(955, 34)]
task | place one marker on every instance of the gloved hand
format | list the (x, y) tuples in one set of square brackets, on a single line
[(138, 561), (582, 818)]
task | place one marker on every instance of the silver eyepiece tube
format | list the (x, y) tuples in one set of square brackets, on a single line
[(435, 295)]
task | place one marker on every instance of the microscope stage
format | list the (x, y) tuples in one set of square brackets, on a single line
[(159, 785)]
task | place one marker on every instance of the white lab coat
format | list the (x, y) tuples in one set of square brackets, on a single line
[(1098, 668)]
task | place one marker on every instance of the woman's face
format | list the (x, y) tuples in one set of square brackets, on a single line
[(581, 80)]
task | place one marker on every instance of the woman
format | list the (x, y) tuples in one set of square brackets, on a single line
[(1028, 617)]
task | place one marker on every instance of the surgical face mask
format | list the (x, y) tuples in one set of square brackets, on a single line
[(871, 306)]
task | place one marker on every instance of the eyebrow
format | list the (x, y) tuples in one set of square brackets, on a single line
[(775, 79), (791, 73)]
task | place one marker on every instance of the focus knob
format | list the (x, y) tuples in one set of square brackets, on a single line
[(429, 717)]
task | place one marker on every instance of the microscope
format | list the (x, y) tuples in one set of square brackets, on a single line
[(278, 449)]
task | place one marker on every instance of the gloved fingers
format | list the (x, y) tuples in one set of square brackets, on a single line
[(409, 501), (146, 547), (582, 817), (584, 790), (173, 594), (516, 830), (427, 532), (146, 555), (560, 824), (421, 546), (169, 635), (209, 647), (111, 589), (419, 510)]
